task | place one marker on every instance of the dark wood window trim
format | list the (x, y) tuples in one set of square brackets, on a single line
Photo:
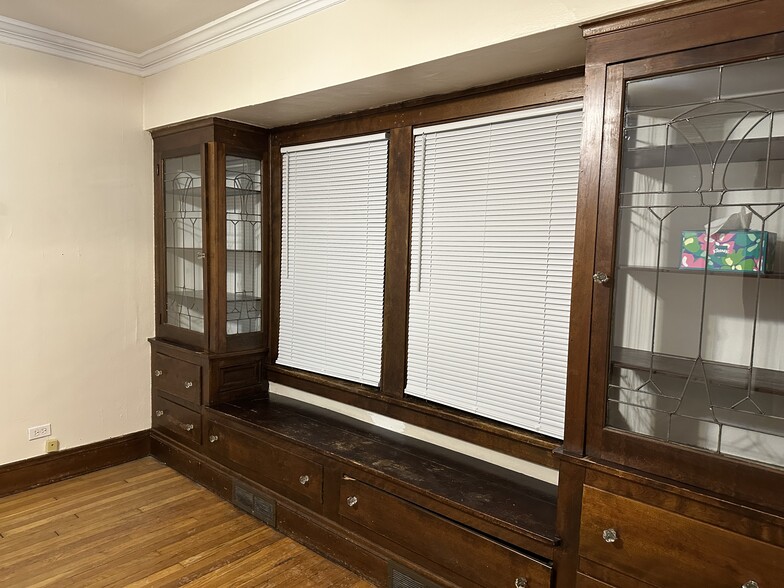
[(398, 121)]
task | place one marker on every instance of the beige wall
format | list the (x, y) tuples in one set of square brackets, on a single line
[(354, 40), (76, 259)]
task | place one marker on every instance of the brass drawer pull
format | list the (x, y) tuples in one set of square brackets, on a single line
[(189, 384), (159, 413), (304, 480), (610, 535), (158, 373), (213, 438), (188, 427), (750, 584), (352, 500), (521, 583)]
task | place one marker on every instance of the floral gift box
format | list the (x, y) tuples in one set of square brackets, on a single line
[(728, 251)]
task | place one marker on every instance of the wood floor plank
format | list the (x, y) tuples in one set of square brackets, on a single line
[(143, 524)]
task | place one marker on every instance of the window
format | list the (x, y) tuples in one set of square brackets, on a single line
[(332, 257), (492, 242)]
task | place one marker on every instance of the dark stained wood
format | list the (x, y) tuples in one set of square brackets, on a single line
[(671, 10), (693, 503), (454, 549), (171, 418), (499, 502), (742, 481), (584, 581), (274, 241), (45, 469), (224, 376), (604, 253), (530, 91), (176, 377), (648, 536), (592, 571), (214, 235), (292, 475), (496, 436), (396, 269), (570, 492), (582, 268), (720, 25)]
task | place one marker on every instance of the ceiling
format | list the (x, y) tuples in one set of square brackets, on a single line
[(131, 25), (144, 37)]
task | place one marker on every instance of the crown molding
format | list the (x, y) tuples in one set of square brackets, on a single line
[(247, 22)]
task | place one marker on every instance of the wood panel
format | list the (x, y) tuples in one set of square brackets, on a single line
[(455, 549), (142, 524), (668, 549), (176, 377), (45, 469)]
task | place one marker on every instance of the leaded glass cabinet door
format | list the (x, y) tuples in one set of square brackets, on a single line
[(696, 354), (244, 233), (184, 254)]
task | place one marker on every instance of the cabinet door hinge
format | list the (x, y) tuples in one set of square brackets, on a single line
[(157, 169)]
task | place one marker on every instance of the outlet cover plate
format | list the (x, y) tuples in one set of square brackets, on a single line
[(39, 432)]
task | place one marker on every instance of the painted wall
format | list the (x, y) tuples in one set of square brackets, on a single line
[(76, 253), (354, 40)]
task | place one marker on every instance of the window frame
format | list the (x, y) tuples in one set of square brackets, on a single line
[(398, 121)]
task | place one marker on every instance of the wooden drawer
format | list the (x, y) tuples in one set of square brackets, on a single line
[(584, 581), (291, 475), (175, 420), (176, 377), (667, 549), (448, 544)]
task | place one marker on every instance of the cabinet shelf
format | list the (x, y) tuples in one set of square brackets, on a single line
[(700, 272), (198, 295), (750, 150), (724, 374)]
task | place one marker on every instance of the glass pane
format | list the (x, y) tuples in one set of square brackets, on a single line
[(243, 245), (184, 252), (699, 279)]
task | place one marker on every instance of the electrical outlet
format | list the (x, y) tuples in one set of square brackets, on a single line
[(39, 431), (52, 445)]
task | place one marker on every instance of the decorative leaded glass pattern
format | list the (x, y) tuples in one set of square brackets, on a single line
[(697, 355)]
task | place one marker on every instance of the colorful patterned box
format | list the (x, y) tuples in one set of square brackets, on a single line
[(729, 251)]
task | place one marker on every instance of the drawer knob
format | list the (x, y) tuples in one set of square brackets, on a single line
[(304, 480), (189, 384), (213, 438), (352, 500), (751, 584), (187, 427), (610, 535), (601, 278), (521, 583), (158, 373), (159, 413)]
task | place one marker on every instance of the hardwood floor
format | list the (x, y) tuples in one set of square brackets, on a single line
[(143, 524)]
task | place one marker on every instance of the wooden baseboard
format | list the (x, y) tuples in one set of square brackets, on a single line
[(38, 471)]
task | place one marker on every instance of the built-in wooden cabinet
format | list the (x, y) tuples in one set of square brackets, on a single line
[(211, 218), (672, 464), (676, 395)]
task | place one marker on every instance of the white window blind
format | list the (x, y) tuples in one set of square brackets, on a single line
[(491, 264), (332, 257)]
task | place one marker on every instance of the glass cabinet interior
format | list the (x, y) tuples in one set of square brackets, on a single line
[(184, 242), (243, 245), (696, 342)]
